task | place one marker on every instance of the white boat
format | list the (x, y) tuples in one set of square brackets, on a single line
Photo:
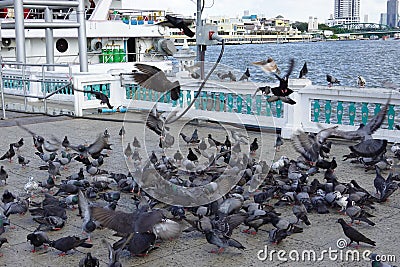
[(114, 33), (396, 36)]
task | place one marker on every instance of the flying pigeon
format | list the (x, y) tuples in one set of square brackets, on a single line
[(154, 78), (180, 24), (268, 65)]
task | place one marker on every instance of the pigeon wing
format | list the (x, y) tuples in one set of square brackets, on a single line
[(119, 221)]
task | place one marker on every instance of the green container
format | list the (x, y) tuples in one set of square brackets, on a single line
[(122, 55), (108, 56), (116, 55)]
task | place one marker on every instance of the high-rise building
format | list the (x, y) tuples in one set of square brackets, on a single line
[(383, 19), (347, 11), (392, 13)]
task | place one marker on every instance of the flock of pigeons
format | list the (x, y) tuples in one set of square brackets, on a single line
[(97, 191)]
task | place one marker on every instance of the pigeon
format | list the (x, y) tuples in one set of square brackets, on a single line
[(265, 90), (278, 142), (360, 81), (229, 75), (113, 256), (7, 197), (65, 143), (122, 131), (19, 207), (193, 70), (88, 224), (300, 211), (190, 140), (89, 261), (227, 143), (99, 96), (331, 80), (221, 241), (268, 65), (50, 223), (354, 235), (246, 75), (254, 146), (67, 243), (156, 122), (180, 24), (9, 154), (309, 146), (282, 91), (3, 175), (178, 156), (37, 239), (136, 222), (365, 132), (128, 151), (154, 78), (19, 144), (135, 142), (213, 142), (303, 71), (192, 156), (23, 161), (357, 213)]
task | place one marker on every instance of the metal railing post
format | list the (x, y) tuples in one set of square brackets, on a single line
[(2, 89), (44, 90)]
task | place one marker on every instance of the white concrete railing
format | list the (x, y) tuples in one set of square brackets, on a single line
[(233, 102)]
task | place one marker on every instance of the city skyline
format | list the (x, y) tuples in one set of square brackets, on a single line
[(294, 10)]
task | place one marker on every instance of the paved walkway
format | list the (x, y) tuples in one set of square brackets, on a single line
[(190, 249)]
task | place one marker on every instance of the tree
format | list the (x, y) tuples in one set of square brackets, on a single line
[(301, 26)]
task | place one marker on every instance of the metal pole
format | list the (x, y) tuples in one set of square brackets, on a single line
[(82, 42), (2, 89), (200, 49), (19, 31), (48, 17), (24, 87)]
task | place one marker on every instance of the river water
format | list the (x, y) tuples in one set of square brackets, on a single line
[(376, 60)]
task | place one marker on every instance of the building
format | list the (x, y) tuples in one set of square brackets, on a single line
[(312, 24), (392, 13), (383, 19), (345, 11)]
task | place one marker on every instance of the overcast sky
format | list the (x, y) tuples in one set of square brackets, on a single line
[(294, 10)]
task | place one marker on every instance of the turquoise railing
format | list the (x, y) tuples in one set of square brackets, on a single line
[(349, 113), (15, 82), (211, 101), (49, 86), (103, 88)]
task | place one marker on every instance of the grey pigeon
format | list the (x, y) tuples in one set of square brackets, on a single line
[(222, 241), (113, 255), (135, 142), (23, 161), (67, 243), (331, 80), (154, 78), (357, 213), (122, 131), (88, 224), (128, 151)]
